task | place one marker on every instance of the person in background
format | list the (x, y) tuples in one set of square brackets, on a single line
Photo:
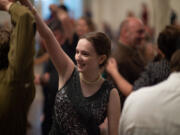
[(156, 71), (84, 25), (145, 19), (16, 69), (173, 18), (130, 61)]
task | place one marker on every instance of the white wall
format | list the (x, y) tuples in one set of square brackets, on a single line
[(114, 11)]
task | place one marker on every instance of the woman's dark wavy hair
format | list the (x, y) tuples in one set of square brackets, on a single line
[(169, 40), (4, 47)]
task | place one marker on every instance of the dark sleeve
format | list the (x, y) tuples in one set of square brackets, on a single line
[(154, 73), (22, 39), (130, 64), (145, 78)]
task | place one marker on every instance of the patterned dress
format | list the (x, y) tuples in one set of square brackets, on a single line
[(75, 114)]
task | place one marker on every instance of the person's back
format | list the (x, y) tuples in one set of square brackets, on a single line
[(16, 85), (156, 109)]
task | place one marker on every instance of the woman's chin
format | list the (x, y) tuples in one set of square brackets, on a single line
[(79, 69)]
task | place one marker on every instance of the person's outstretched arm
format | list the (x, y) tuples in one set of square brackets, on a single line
[(62, 62), (22, 42), (18, 89), (22, 38), (123, 85)]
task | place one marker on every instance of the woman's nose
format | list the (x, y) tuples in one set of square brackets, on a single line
[(78, 56)]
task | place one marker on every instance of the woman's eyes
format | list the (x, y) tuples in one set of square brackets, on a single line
[(85, 53), (82, 53)]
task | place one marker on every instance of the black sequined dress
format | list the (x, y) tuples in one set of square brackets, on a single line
[(75, 114)]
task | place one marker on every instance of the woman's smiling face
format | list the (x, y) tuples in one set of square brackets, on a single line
[(86, 57)]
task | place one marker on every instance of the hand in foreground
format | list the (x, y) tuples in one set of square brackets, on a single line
[(5, 4), (111, 66)]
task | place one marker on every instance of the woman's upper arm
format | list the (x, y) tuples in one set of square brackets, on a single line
[(61, 61), (113, 112), (64, 65)]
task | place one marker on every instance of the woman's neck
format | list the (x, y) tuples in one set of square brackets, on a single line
[(91, 78)]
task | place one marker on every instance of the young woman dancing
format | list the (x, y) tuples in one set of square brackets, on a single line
[(84, 98)]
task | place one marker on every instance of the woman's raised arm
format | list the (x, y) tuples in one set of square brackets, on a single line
[(62, 62)]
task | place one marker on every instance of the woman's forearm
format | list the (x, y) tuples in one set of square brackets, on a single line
[(43, 29)]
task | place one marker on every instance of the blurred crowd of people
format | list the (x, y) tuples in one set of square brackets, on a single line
[(121, 82)]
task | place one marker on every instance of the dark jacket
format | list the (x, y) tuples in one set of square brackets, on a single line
[(16, 82), (130, 62)]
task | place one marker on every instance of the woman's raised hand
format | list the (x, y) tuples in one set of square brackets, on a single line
[(26, 3)]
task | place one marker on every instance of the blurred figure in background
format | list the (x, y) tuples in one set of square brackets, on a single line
[(156, 71), (129, 59), (154, 110), (145, 19), (84, 25), (107, 29), (173, 18)]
